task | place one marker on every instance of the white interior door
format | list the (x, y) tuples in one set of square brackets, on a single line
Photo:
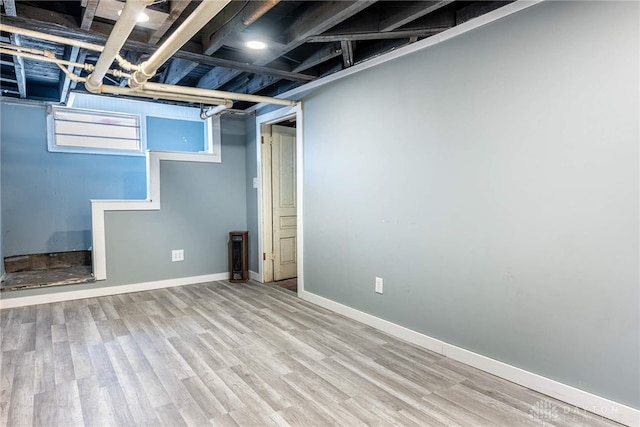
[(283, 182)]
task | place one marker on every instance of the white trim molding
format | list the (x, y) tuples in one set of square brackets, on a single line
[(108, 290), (152, 202), (254, 276), (270, 118), (578, 400)]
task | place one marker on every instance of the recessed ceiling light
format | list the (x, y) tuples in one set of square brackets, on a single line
[(142, 17), (256, 44)]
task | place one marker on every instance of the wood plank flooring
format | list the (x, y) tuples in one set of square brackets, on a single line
[(250, 355)]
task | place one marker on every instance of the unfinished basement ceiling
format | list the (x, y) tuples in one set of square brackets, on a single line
[(305, 40)]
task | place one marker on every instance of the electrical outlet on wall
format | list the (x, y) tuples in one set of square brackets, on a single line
[(177, 255), (379, 284)]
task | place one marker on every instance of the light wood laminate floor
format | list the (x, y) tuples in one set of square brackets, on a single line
[(234, 354)]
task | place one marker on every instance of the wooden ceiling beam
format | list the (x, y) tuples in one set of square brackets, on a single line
[(318, 18), (347, 53), (216, 77), (476, 9), (324, 54), (176, 7), (18, 62), (401, 34), (214, 35), (252, 84), (88, 13), (321, 18), (410, 12), (177, 70)]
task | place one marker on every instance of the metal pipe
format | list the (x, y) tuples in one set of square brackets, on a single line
[(41, 57), (212, 111), (216, 93), (67, 41), (71, 75), (51, 38), (198, 19), (117, 90), (48, 56), (121, 31)]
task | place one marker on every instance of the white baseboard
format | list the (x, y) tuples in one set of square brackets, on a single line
[(579, 400), (254, 276), (108, 290)]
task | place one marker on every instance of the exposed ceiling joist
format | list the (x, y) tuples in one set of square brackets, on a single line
[(215, 36), (305, 39), (176, 9), (403, 34), (88, 13), (477, 9), (318, 18), (177, 70), (347, 53), (216, 77), (321, 55), (252, 84), (65, 87), (321, 18), (18, 63), (99, 38), (410, 12), (75, 53)]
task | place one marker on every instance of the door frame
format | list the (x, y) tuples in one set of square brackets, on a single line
[(265, 266)]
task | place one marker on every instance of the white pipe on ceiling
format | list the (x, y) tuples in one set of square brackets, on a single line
[(117, 90), (121, 31), (50, 37), (40, 55), (67, 41), (215, 93), (48, 56), (198, 19), (205, 114), (202, 15)]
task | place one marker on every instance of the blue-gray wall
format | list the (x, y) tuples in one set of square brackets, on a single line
[(492, 181), (200, 204), (45, 196)]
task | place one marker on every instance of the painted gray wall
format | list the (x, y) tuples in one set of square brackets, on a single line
[(492, 181), (252, 193), (200, 204)]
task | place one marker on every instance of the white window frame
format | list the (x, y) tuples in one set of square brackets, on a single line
[(54, 146), (212, 130)]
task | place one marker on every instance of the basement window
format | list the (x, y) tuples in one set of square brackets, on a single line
[(93, 132)]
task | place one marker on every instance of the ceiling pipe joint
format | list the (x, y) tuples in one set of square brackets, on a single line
[(121, 31)]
